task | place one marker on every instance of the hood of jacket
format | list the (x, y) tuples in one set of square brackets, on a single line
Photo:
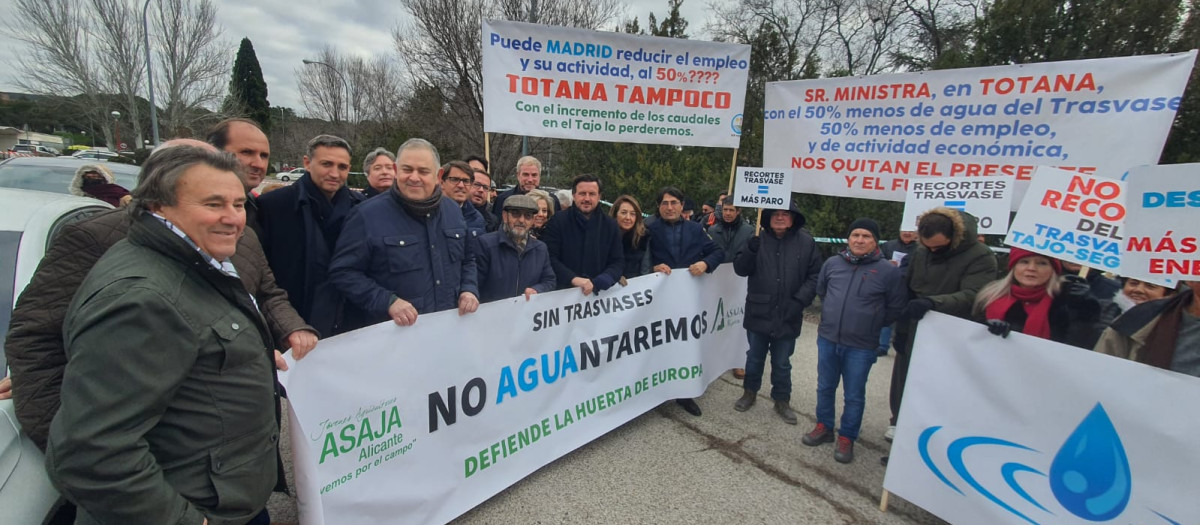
[(798, 220), (77, 181), (966, 229)]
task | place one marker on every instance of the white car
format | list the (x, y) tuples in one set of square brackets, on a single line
[(28, 220), (292, 175)]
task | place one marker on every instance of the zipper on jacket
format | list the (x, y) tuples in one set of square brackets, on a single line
[(853, 273)]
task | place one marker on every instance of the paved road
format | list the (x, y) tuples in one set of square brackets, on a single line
[(668, 467)]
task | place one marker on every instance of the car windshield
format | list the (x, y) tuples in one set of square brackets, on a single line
[(9, 241), (54, 176)]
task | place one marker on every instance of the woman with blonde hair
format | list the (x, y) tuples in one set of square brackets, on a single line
[(1036, 299), (545, 211), (635, 238)]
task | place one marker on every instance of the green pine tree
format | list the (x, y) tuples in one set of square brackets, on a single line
[(247, 89)]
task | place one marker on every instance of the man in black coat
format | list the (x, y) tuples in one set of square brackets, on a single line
[(300, 226), (782, 266), (585, 245)]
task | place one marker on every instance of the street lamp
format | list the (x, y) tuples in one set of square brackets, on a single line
[(116, 115), (149, 73), (308, 62)]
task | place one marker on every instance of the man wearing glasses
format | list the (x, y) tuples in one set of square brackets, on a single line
[(510, 262), (457, 180), (480, 197)]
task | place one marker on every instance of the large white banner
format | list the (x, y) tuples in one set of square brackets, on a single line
[(420, 424), (865, 136), (561, 82), (1025, 430), (1164, 215)]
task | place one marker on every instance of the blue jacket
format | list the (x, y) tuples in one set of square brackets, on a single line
[(858, 300), (383, 251), (299, 228), (682, 244), (504, 273), (584, 247)]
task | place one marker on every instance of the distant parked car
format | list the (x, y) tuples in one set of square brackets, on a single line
[(94, 154), (33, 150), (28, 220), (54, 175), (287, 176)]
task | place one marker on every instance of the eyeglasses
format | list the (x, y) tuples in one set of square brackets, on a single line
[(458, 180), (522, 214), (480, 186), (670, 203)]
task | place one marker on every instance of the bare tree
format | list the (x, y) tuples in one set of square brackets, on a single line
[(58, 58), (121, 56), (440, 45), (804, 25), (939, 32), (322, 89), (865, 35), (191, 61)]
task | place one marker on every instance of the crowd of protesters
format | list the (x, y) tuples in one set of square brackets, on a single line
[(144, 349)]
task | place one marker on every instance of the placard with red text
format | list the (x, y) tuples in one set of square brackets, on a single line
[(562, 82), (1074, 217), (1163, 224), (865, 136)]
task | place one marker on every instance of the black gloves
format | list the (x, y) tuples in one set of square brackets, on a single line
[(754, 243), (916, 309), (999, 327), (1075, 287)]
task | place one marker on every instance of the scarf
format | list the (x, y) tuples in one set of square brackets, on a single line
[(859, 259), (1037, 309), (518, 241), (331, 212), (422, 209), (110, 193), (1159, 349)]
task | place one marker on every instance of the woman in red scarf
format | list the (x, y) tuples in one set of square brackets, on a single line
[(1035, 299)]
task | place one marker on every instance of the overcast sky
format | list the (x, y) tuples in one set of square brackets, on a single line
[(286, 31)]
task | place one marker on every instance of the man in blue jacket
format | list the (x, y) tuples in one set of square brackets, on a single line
[(861, 293), (585, 244), (511, 262), (407, 252), (679, 243)]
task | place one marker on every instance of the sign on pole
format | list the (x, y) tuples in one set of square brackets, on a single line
[(763, 188), (1024, 430), (1164, 219), (550, 81), (425, 422), (988, 199), (866, 136), (1071, 216)]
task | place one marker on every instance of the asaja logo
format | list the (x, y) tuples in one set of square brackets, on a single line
[(1089, 476), (726, 318)]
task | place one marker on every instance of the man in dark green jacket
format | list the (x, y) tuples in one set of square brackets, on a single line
[(167, 411), (943, 274)]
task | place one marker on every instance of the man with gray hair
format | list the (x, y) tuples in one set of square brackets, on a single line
[(34, 346), (408, 252), (380, 167), (300, 226), (164, 340), (529, 177)]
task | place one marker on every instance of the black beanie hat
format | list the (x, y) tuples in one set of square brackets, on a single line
[(865, 224)]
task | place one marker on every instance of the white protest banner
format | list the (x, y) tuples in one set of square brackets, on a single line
[(763, 188), (1071, 216), (1025, 430), (988, 199), (865, 136), (1164, 218), (420, 424), (550, 81)]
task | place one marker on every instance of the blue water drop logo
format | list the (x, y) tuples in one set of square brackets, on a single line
[(1090, 474)]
